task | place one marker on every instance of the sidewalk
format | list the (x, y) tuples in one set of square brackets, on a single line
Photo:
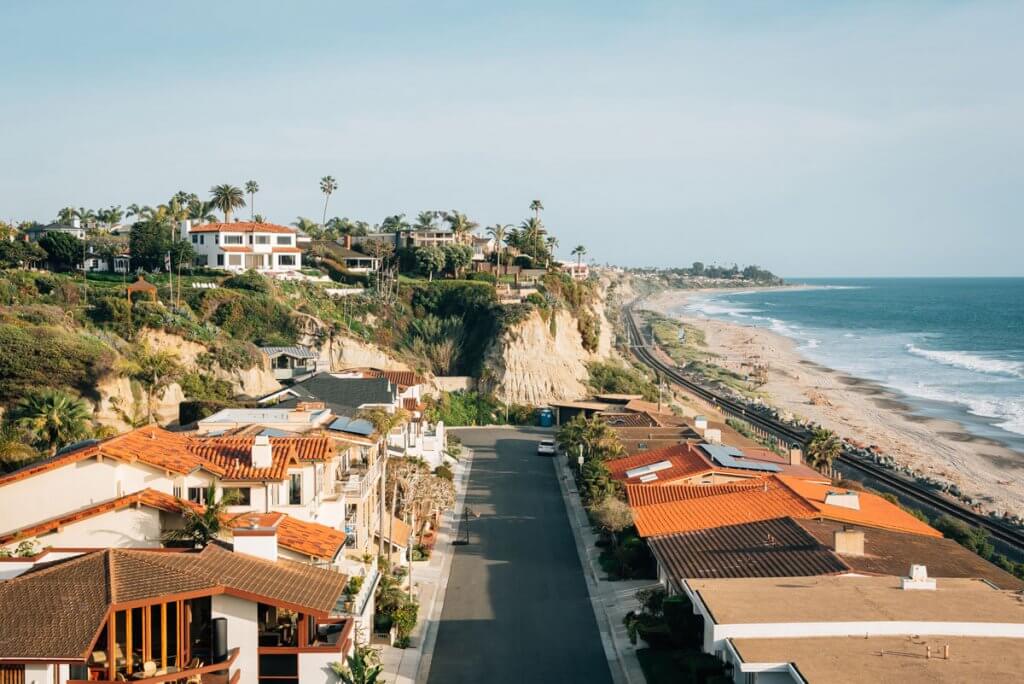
[(430, 579), (610, 600)]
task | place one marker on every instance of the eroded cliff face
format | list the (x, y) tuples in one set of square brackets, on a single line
[(535, 362), (121, 403), (339, 351)]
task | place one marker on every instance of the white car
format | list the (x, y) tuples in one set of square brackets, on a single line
[(546, 446)]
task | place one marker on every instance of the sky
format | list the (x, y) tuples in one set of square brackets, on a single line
[(811, 138)]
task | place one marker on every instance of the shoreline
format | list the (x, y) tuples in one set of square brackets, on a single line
[(862, 410)]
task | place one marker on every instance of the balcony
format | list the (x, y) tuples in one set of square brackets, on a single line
[(194, 673), (356, 604), (360, 482)]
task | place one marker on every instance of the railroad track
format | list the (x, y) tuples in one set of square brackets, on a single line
[(797, 436)]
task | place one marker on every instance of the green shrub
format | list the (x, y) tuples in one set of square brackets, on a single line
[(195, 410), (33, 357), (483, 277), (613, 378), (444, 472), (250, 280)]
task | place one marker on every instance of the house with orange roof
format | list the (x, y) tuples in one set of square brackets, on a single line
[(244, 245), (701, 464), (673, 509)]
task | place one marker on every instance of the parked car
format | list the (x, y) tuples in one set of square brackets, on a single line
[(547, 447)]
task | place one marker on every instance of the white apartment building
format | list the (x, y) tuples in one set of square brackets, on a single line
[(265, 247)]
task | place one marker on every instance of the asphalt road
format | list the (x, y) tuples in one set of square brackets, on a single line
[(516, 607)]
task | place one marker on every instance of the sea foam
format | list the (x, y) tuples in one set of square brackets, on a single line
[(969, 361)]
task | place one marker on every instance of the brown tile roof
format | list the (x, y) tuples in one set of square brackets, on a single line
[(683, 508), (399, 377), (892, 553), (233, 457), (56, 612), (627, 419), (241, 227), (411, 404), (766, 548)]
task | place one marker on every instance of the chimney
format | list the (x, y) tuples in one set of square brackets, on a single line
[(796, 457), (348, 242), (700, 422), (256, 536), (76, 222), (845, 499), (847, 542), (184, 228), (262, 456), (918, 579), (713, 436)]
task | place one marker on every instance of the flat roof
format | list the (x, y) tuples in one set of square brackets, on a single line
[(587, 405), (854, 599), (853, 660)]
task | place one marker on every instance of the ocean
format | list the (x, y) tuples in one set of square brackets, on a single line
[(953, 347)]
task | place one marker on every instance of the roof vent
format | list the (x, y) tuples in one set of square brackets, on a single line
[(262, 456), (848, 542), (700, 422), (918, 579), (845, 499)]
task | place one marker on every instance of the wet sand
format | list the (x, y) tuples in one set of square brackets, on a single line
[(864, 411)]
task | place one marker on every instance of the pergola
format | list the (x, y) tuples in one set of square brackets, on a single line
[(142, 285)]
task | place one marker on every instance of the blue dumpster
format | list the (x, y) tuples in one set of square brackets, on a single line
[(546, 417)]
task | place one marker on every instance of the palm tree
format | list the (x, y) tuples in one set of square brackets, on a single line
[(133, 210), (252, 187), (383, 423), (86, 216), (307, 226), (425, 220), (578, 251), (66, 215), (14, 451), (201, 211), (498, 231), (53, 418), (552, 244), (460, 223), (823, 448), (536, 207), (327, 186), (227, 198), (532, 229), (204, 523), (154, 370)]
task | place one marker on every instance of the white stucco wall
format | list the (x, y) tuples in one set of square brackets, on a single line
[(136, 527), (314, 668), (39, 674), (243, 633), (60, 491)]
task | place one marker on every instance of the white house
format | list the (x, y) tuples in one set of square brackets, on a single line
[(265, 247)]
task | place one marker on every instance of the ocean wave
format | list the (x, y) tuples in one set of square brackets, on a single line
[(1006, 412), (812, 343), (713, 307), (969, 361)]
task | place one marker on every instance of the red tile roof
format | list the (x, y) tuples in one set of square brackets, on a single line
[(399, 377), (685, 459), (233, 456), (236, 249), (241, 227)]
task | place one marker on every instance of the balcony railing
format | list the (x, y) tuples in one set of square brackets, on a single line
[(217, 673), (354, 605), (359, 485)]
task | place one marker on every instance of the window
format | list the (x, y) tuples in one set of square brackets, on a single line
[(295, 489), (262, 239), (220, 259), (285, 259), (201, 260), (176, 491), (197, 495), (195, 239), (241, 495), (234, 259), (284, 239), (275, 494), (233, 240)]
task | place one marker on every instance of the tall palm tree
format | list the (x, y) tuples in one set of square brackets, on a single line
[(824, 448), (460, 223), (425, 220), (252, 187), (133, 210), (15, 452), (227, 198), (383, 423), (201, 211), (578, 251), (498, 232), (327, 186), (536, 207), (86, 216), (53, 418), (203, 524), (153, 369), (66, 215), (532, 229)]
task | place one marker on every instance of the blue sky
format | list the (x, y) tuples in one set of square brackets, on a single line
[(814, 139)]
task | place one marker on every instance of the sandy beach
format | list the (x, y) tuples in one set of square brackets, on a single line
[(863, 411)]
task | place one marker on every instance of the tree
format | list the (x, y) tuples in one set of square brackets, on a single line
[(823, 448), (457, 257), (530, 235), (697, 268), (614, 516), (252, 187), (394, 224), (598, 439), (110, 216), (17, 253), (153, 369), (552, 244), (15, 452), (425, 220), (327, 186), (66, 215), (536, 207), (53, 418), (383, 423), (497, 232), (63, 250), (200, 211), (203, 524), (308, 226), (87, 217), (429, 258), (460, 223), (579, 251), (227, 198)]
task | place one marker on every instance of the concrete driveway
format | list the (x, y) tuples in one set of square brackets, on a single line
[(516, 607)]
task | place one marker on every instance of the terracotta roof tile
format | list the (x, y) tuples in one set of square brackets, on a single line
[(399, 377), (686, 461), (309, 538), (241, 227)]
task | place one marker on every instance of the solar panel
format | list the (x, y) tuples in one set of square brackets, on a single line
[(648, 469), (731, 457), (274, 432), (356, 426)]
